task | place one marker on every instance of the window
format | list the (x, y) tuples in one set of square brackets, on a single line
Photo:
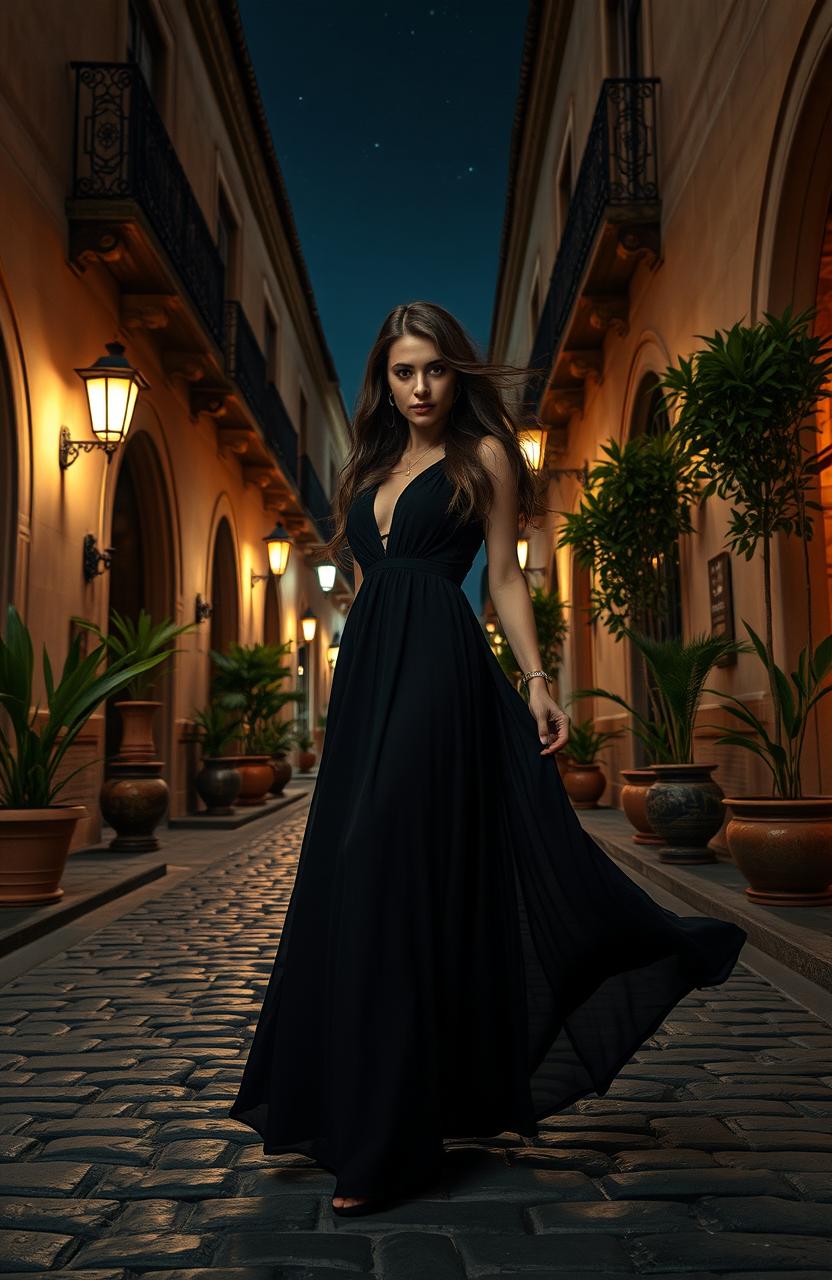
[(144, 45), (564, 190), (226, 240), (270, 346)]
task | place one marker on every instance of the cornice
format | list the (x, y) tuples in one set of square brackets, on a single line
[(218, 28), (547, 28)]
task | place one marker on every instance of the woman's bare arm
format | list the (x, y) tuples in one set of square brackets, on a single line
[(510, 593)]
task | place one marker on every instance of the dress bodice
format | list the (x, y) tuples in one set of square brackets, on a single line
[(421, 527)]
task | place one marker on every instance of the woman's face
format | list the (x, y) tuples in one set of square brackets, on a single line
[(421, 383)]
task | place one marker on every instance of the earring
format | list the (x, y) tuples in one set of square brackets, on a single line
[(390, 397)]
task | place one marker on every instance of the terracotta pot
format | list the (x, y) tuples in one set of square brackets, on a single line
[(584, 784), (306, 760), (684, 808), (256, 776), (218, 783), (134, 799), (634, 803), (282, 772), (34, 844), (783, 848), (137, 745)]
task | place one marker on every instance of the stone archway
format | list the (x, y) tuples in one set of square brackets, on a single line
[(8, 489), (794, 266), (649, 417), (143, 571), (271, 612), (225, 592)]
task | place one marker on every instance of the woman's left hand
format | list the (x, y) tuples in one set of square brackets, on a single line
[(552, 722)]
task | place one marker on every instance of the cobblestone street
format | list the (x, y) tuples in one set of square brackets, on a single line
[(711, 1155)]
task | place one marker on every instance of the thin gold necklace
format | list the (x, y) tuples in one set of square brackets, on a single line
[(413, 464)]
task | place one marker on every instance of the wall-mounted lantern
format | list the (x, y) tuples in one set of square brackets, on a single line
[(112, 386), (278, 544), (326, 576), (309, 624), (202, 610), (533, 443), (332, 651), (522, 551), (95, 562)]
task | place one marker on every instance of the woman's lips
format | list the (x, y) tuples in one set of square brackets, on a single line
[(423, 408)]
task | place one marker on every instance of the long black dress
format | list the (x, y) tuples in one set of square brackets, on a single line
[(459, 958)]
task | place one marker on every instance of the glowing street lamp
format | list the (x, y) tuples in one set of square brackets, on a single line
[(278, 544), (309, 624), (112, 385), (326, 576), (332, 651), (533, 443)]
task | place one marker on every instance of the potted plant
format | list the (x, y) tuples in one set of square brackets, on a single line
[(218, 781), (307, 754), (746, 402), (134, 797), (584, 779), (136, 641), (246, 682), (36, 830), (279, 737), (684, 803), (635, 506), (782, 843)]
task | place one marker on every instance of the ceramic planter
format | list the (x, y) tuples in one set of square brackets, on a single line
[(282, 771), (256, 776), (563, 763), (584, 784), (34, 845), (684, 807), (218, 783), (783, 848), (134, 799), (306, 760), (634, 803), (137, 745)]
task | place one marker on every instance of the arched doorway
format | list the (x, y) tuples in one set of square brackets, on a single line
[(794, 260), (649, 417), (143, 571), (225, 593), (271, 612), (8, 489)]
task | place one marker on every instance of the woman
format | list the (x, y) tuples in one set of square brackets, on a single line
[(459, 958)]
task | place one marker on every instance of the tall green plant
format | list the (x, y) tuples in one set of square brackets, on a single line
[(135, 641), (679, 669), (744, 406), (32, 753), (636, 504), (246, 681)]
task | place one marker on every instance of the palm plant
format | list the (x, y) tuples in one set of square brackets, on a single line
[(214, 729), (679, 670), (584, 744), (31, 754), (246, 681), (794, 705), (128, 640)]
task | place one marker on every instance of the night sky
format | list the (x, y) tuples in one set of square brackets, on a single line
[(392, 124)]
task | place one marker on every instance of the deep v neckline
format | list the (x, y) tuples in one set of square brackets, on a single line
[(386, 539)]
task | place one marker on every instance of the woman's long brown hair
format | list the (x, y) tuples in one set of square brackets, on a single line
[(380, 433)]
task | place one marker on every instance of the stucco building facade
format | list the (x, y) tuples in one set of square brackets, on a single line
[(143, 203), (726, 218)]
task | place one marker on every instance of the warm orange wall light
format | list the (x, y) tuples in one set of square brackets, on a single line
[(112, 386)]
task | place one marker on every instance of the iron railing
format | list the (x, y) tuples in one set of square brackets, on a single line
[(244, 360), (619, 167), (314, 498), (122, 151), (279, 430)]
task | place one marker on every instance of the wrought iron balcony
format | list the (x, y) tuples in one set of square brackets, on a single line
[(133, 208), (613, 222), (315, 499), (245, 365), (279, 430)]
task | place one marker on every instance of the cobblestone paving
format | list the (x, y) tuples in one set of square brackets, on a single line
[(711, 1155)]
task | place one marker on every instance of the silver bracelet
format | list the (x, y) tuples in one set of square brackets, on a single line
[(527, 677)]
